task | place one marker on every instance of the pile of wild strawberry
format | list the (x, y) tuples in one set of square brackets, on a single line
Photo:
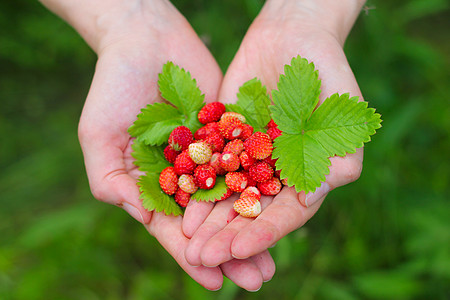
[(224, 146)]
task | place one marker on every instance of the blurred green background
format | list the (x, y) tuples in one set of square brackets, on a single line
[(385, 236)]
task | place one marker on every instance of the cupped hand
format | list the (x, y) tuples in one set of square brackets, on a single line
[(131, 53), (283, 30)]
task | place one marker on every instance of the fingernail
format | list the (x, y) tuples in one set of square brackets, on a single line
[(133, 211), (254, 290), (312, 198)]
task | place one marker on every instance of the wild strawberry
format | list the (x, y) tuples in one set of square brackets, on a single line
[(236, 181), (284, 181), (260, 171), (252, 192), (231, 127), (206, 131), (233, 115), (247, 131), (215, 163), (168, 180), (271, 161), (200, 152), (259, 145), (277, 173), (250, 181), (215, 141), (170, 154), (274, 132), (187, 183), (205, 177), (229, 161), (271, 124), (271, 187), (182, 198), (211, 112), (227, 195), (184, 164), (180, 138), (247, 207), (246, 160), (236, 146)]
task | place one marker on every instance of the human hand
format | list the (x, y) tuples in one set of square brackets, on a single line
[(284, 29), (133, 40)]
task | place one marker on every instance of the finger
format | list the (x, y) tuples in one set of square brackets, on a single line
[(343, 170), (167, 230), (194, 215), (265, 263), (281, 217), (217, 249), (215, 222), (244, 273)]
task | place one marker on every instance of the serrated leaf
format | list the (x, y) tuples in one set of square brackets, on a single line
[(154, 199), (219, 189), (297, 95), (155, 123), (179, 88), (253, 103), (149, 158), (338, 126)]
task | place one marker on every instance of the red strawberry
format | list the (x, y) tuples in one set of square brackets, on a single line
[(250, 181), (236, 146), (182, 198), (184, 164), (187, 183), (233, 115), (270, 187), (247, 131), (277, 173), (247, 207), (168, 181), (260, 171), (200, 152), (211, 112), (271, 124), (251, 192), (180, 138), (227, 195), (205, 177), (229, 161), (246, 160), (231, 127), (271, 161), (215, 141), (236, 181), (206, 131), (215, 163), (259, 145), (274, 132), (170, 154)]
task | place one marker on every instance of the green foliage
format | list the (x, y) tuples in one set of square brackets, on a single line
[(211, 195)]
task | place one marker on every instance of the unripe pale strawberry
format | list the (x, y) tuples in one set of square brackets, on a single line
[(251, 191), (180, 138), (246, 160), (200, 152), (260, 171), (184, 164), (229, 161), (270, 187), (236, 146), (206, 131), (215, 163), (211, 112), (259, 145), (187, 183), (205, 177), (236, 181), (168, 180), (170, 154), (182, 198), (233, 115), (247, 207)]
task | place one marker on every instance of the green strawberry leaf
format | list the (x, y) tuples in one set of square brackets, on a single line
[(253, 103), (154, 199), (219, 189), (338, 126), (149, 158)]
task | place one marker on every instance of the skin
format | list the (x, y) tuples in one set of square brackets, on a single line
[(284, 29)]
